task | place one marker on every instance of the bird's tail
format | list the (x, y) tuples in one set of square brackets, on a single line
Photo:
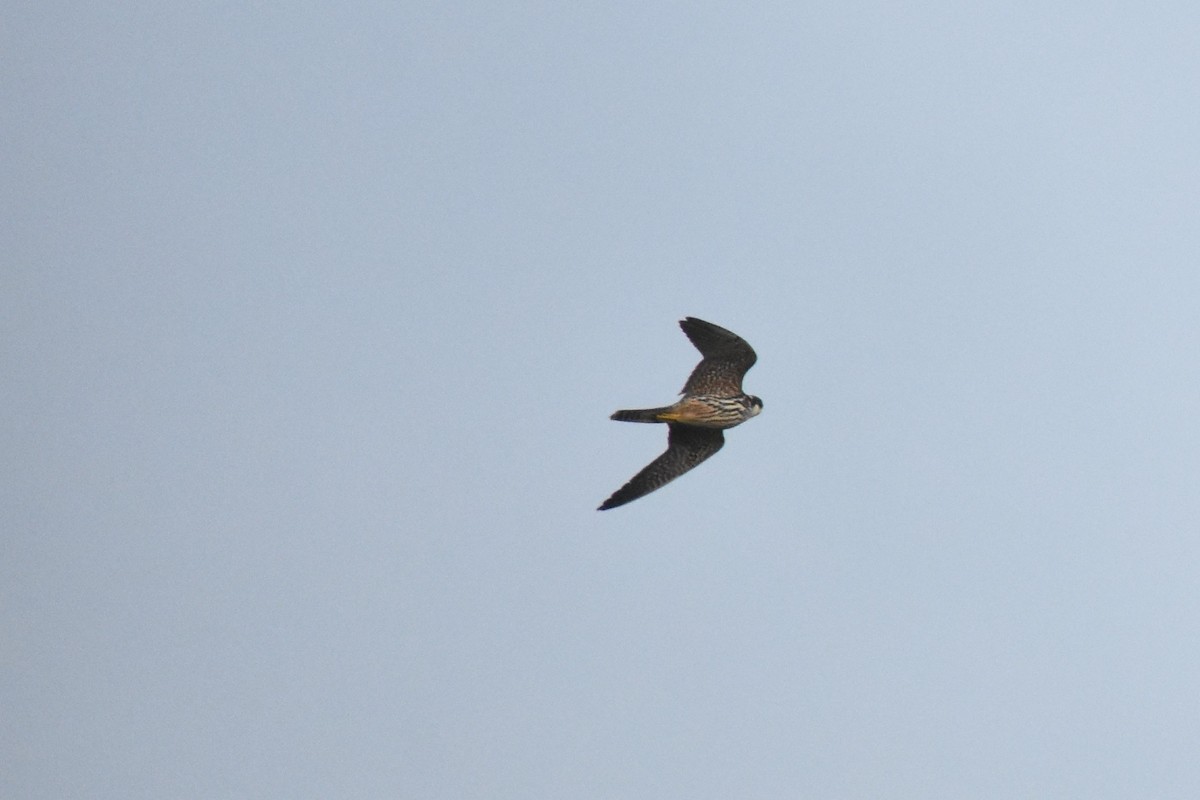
[(640, 415)]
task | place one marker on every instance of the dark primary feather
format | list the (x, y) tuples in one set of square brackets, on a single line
[(687, 446), (727, 357)]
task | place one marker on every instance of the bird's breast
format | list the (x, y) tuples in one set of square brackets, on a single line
[(708, 412)]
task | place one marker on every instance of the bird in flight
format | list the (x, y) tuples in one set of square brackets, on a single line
[(712, 401)]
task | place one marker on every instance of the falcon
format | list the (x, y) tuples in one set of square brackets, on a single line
[(712, 401)]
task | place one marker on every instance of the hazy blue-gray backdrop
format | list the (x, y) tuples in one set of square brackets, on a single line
[(313, 316)]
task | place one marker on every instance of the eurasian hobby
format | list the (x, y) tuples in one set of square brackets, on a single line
[(712, 401)]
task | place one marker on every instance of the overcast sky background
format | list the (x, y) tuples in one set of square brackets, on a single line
[(313, 316)]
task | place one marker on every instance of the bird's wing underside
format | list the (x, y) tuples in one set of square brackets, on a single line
[(687, 446), (727, 357)]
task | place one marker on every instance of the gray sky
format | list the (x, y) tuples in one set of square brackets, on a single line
[(313, 317)]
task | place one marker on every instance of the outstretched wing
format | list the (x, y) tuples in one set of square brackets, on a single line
[(687, 446), (727, 357)]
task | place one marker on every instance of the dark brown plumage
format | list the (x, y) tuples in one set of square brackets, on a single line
[(727, 359), (712, 401)]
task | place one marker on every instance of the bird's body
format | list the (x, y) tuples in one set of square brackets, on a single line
[(712, 402), (700, 411)]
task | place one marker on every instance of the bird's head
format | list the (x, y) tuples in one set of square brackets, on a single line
[(756, 405)]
